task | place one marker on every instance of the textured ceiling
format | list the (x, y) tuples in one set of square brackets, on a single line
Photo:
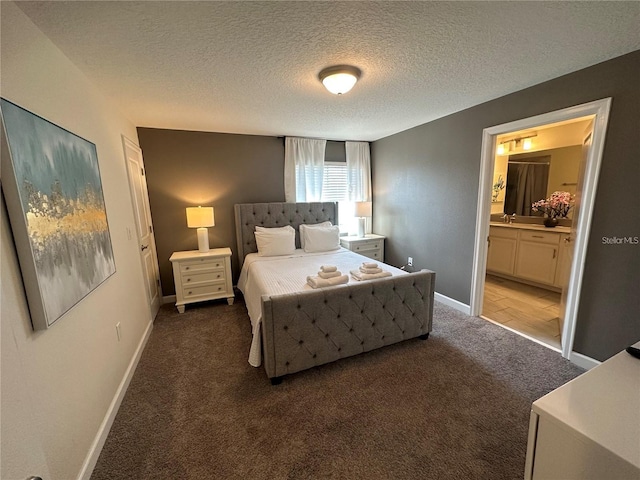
[(251, 67)]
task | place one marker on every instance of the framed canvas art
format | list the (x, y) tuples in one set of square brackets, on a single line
[(53, 192)]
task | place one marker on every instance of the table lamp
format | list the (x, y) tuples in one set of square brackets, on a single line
[(363, 209), (201, 218)]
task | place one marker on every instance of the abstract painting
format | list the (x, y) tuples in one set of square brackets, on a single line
[(53, 192)]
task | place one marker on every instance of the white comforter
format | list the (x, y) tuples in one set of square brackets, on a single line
[(288, 274)]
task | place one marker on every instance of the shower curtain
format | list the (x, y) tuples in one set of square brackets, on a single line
[(526, 184)]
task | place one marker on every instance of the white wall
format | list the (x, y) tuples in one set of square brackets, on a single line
[(58, 384)]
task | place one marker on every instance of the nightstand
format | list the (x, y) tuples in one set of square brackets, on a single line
[(370, 245), (202, 276)]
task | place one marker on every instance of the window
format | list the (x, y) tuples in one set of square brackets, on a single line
[(335, 189), (334, 185)]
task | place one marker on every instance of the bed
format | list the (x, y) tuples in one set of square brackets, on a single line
[(296, 327)]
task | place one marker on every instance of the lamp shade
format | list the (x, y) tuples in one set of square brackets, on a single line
[(363, 209), (200, 217)]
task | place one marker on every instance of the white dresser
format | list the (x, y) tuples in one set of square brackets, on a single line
[(589, 429), (202, 276), (370, 245)]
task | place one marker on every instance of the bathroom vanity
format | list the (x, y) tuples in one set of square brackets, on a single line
[(530, 253)]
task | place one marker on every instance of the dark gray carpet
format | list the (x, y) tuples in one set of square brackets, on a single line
[(453, 407)]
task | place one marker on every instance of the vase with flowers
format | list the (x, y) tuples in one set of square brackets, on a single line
[(555, 207), (498, 186)]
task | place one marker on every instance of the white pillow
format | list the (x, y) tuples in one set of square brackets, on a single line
[(304, 226), (276, 241), (287, 228), (324, 239)]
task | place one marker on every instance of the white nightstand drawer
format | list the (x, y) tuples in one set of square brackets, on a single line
[(201, 264), (202, 277), (204, 290), (371, 246), (362, 247)]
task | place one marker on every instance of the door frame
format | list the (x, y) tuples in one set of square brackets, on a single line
[(600, 109)]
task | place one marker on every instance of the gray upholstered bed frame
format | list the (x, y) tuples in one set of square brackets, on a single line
[(313, 327)]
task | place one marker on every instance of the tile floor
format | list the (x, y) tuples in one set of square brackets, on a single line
[(531, 310)]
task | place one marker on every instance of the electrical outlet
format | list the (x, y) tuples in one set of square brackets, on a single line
[(118, 331), (410, 261)]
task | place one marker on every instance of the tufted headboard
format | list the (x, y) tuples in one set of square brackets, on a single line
[(248, 215)]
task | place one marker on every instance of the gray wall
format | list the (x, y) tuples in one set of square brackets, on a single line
[(187, 169), (425, 183)]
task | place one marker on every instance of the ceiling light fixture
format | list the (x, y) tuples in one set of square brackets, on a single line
[(339, 79)]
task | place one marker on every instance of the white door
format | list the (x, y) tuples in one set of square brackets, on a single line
[(568, 241), (142, 212)]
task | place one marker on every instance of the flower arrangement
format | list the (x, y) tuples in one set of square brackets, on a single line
[(498, 186), (556, 206)]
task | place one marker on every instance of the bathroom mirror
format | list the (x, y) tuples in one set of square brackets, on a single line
[(527, 182), (533, 176)]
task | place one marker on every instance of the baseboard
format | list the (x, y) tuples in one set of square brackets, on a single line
[(96, 447), (583, 361), (168, 299), (450, 302)]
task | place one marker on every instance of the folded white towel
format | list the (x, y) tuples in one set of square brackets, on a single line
[(317, 282), (328, 268), (370, 270), (369, 264), (358, 275), (325, 275)]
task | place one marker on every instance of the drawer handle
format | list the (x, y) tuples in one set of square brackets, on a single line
[(554, 253), (537, 236), (188, 279), (190, 292), (219, 288), (217, 264), (218, 275), (186, 268)]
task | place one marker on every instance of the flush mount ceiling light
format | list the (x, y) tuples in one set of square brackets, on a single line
[(339, 79)]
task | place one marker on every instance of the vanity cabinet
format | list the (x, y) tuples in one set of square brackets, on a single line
[(501, 257), (537, 256), (529, 254)]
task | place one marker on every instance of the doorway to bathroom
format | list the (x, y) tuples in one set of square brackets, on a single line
[(526, 275), (527, 264)]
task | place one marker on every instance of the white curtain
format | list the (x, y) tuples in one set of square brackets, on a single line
[(303, 169), (358, 180), (358, 171)]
